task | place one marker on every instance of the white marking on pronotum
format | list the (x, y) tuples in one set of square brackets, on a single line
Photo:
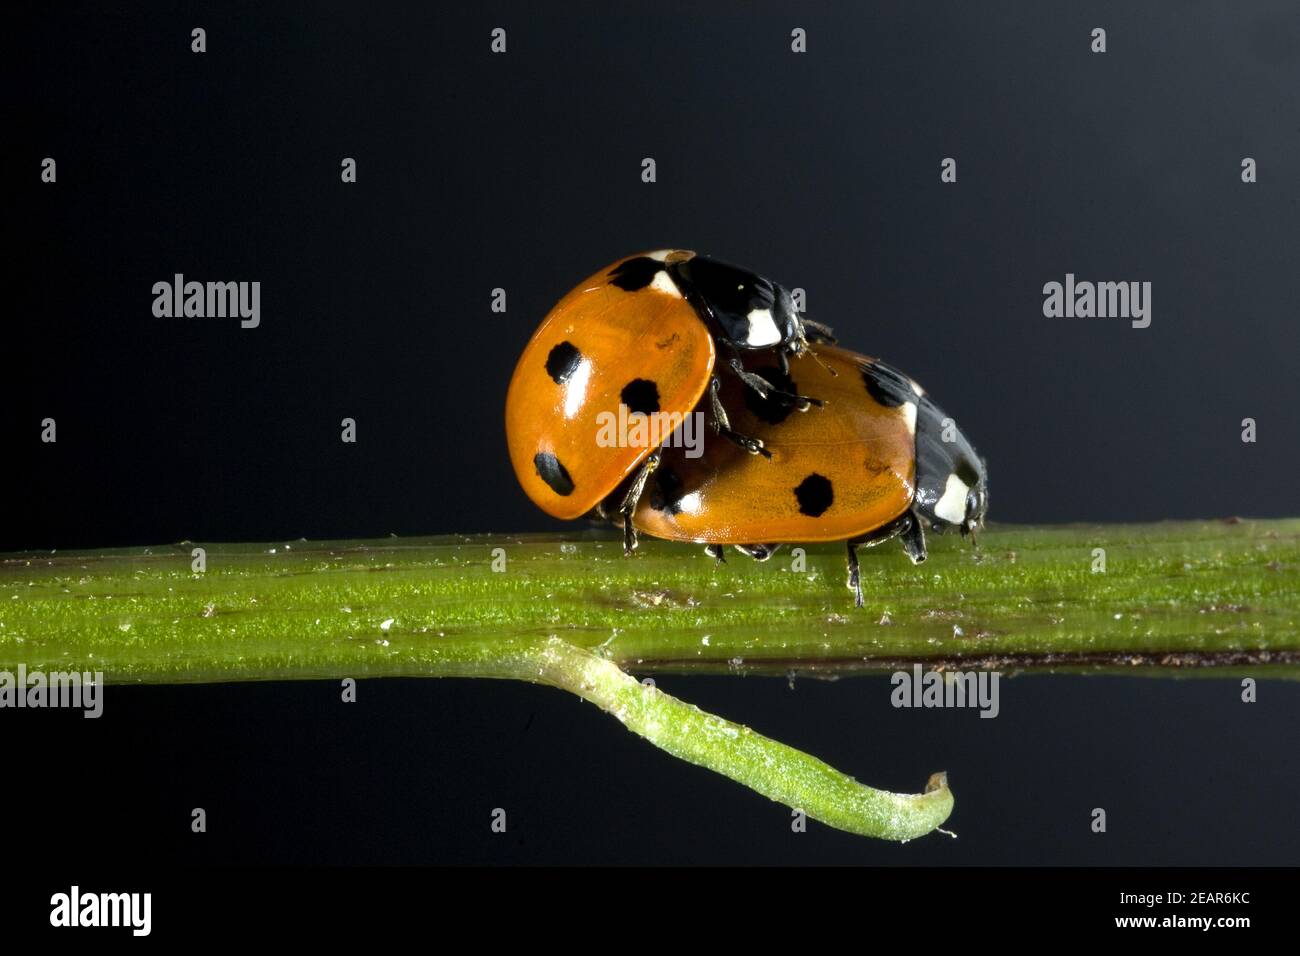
[(909, 416), (952, 506), (762, 329), (659, 255), (663, 282)]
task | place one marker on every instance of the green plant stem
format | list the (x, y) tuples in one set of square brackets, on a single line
[(1191, 597), (760, 763)]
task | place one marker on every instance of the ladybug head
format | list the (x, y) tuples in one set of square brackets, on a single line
[(745, 310)]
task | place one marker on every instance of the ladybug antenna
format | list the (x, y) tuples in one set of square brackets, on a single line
[(806, 349)]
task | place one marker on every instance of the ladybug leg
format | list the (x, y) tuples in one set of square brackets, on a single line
[(717, 552), (722, 424), (913, 536), (765, 389), (908, 527), (971, 526), (631, 498), (759, 552), (855, 575)]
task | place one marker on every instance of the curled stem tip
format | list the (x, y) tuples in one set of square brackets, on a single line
[(767, 766)]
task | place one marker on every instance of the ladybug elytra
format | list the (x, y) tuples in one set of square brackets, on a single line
[(879, 460), (643, 333)]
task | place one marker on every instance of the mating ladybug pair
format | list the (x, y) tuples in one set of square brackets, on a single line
[(817, 443)]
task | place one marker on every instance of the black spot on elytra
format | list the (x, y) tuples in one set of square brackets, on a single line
[(563, 362), (641, 395), (666, 491), (815, 495), (775, 408), (551, 471), (887, 385), (635, 273)]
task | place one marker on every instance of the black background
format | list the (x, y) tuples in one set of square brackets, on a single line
[(522, 171)]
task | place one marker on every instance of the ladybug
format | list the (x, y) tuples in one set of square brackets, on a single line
[(644, 333), (879, 460)]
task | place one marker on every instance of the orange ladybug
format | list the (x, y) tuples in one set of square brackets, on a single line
[(878, 460), (639, 341)]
